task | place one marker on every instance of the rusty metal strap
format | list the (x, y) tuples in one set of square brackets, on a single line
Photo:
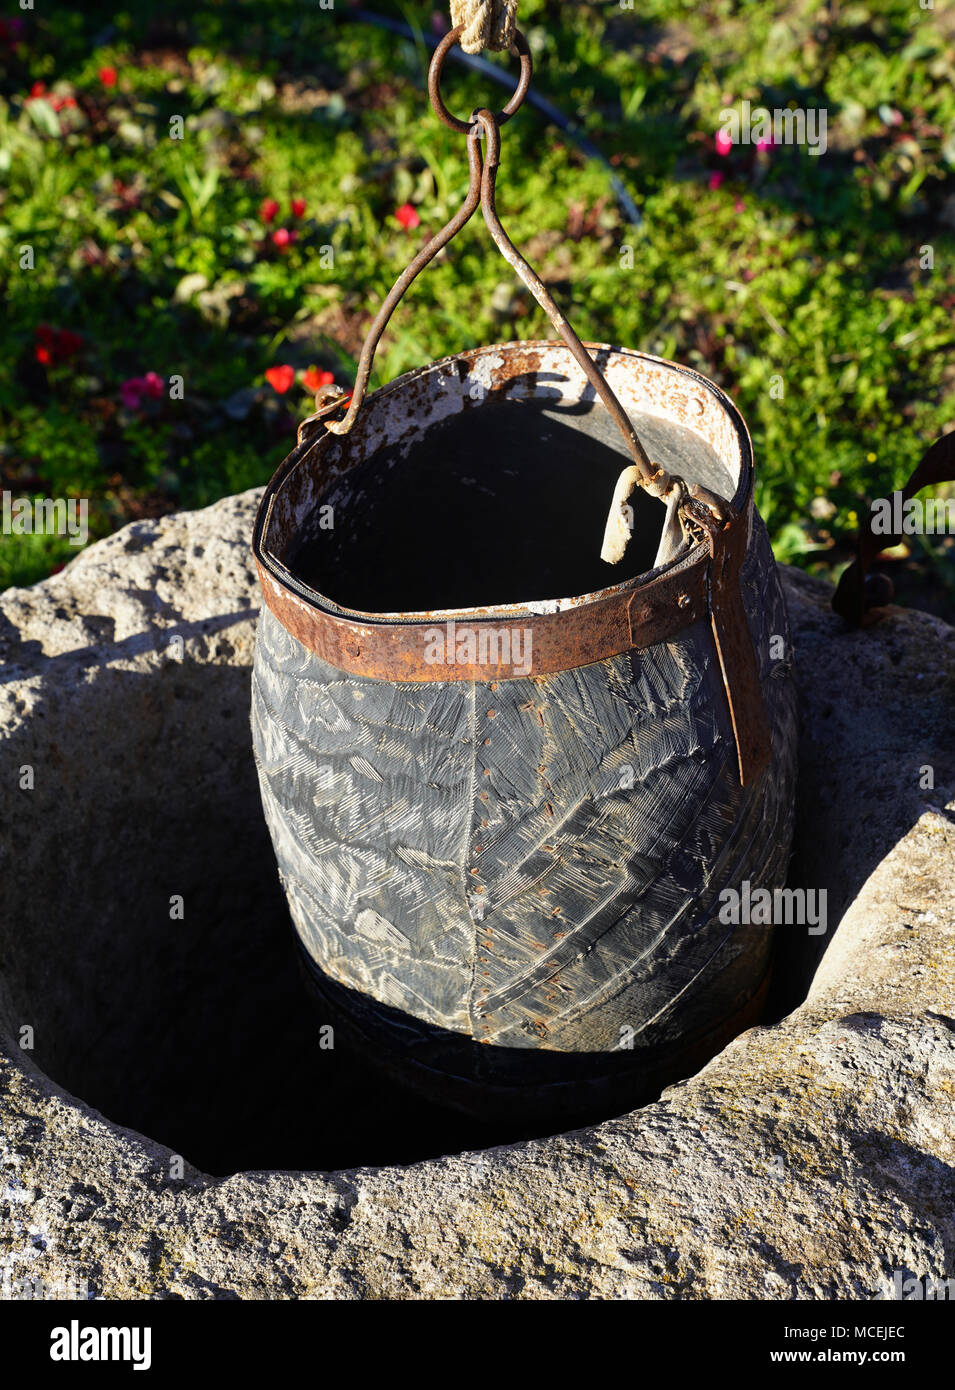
[(851, 600), (733, 640), (508, 645), (502, 646)]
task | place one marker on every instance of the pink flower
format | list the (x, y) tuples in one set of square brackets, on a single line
[(137, 388), (714, 181), (298, 207), (282, 237), (765, 144), (131, 392), (108, 77), (407, 217), (739, 205), (723, 143), (268, 210)]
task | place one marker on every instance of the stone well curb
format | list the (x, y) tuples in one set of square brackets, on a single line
[(811, 1159)]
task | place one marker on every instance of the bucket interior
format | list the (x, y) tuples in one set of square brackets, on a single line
[(491, 507), (440, 500)]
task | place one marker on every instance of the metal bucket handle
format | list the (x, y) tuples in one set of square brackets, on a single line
[(481, 190), (707, 519)]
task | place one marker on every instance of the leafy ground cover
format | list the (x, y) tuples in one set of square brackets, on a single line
[(202, 206)]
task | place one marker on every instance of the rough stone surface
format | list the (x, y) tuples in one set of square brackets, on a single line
[(812, 1158)]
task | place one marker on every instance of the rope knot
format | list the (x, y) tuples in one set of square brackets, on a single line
[(485, 24)]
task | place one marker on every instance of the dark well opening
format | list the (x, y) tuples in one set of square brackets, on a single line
[(197, 1031), (502, 503)]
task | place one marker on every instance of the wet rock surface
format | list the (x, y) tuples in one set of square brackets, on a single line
[(147, 969)]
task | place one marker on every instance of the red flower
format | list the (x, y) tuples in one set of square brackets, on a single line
[(268, 210), (127, 194), (38, 89), (298, 207), (407, 217), (282, 237), (314, 379), (108, 77), (280, 378), (68, 343), (55, 345)]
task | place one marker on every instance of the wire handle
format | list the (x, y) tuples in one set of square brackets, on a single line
[(481, 190)]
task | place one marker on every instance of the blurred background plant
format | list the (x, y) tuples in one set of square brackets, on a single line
[(170, 302)]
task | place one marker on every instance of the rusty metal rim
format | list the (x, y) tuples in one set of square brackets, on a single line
[(688, 555), (267, 561), (702, 581)]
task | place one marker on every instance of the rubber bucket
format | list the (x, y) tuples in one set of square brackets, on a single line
[(507, 783)]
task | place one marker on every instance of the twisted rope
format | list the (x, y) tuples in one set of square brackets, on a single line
[(486, 23)]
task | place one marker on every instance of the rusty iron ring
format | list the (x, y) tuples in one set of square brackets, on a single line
[(519, 48)]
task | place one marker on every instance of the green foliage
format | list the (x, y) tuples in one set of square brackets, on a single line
[(799, 283)]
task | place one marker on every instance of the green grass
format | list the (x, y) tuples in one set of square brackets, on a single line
[(796, 283)]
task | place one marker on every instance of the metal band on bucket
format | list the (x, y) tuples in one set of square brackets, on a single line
[(702, 582)]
